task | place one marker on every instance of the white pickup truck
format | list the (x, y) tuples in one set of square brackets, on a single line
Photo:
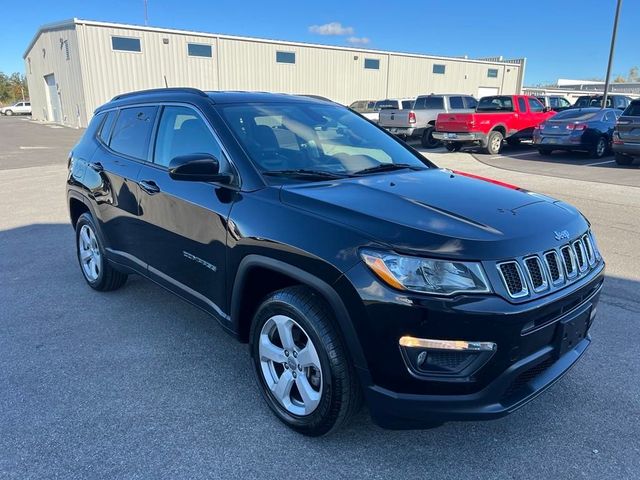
[(371, 109), (421, 119)]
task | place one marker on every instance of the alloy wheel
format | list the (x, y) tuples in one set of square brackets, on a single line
[(89, 252), (290, 365)]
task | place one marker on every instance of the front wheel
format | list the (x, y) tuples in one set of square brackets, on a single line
[(8, 113), (91, 256), (427, 139), (300, 363), (494, 143)]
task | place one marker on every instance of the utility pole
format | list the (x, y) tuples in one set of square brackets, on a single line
[(613, 44), (146, 16)]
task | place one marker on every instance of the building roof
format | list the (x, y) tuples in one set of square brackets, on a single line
[(71, 23)]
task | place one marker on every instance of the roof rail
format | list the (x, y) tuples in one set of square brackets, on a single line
[(160, 90)]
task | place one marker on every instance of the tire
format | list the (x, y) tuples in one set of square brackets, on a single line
[(8, 113), (624, 160), (453, 146), (95, 268), (545, 152), (333, 394), (600, 148), (513, 142), (494, 143), (427, 139)]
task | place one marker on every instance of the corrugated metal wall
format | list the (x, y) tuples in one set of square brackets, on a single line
[(250, 64), (48, 56)]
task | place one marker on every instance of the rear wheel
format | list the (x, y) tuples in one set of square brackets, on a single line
[(8, 113), (300, 363), (622, 159), (545, 151), (452, 146), (494, 143), (427, 139), (600, 148), (97, 271)]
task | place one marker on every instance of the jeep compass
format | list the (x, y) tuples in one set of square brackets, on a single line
[(355, 269)]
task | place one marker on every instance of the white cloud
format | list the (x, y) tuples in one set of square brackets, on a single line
[(333, 28), (358, 40)]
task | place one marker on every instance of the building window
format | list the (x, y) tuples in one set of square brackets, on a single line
[(492, 73), (199, 50), (372, 63), (126, 44), (286, 57), (439, 69)]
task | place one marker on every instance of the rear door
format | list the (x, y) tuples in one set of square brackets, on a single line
[(536, 116), (111, 177), (185, 223), (628, 125)]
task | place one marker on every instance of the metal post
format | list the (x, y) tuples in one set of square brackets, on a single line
[(613, 44), (146, 16)]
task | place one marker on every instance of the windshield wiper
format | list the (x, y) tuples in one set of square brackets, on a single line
[(305, 173), (387, 167)]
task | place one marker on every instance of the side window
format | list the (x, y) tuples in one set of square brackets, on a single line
[(105, 131), (407, 104), (522, 105), (183, 132), (564, 103), (471, 102), (534, 105), (456, 103), (554, 102), (132, 131)]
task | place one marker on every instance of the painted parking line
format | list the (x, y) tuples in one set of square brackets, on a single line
[(523, 154), (598, 163), (34, 148)]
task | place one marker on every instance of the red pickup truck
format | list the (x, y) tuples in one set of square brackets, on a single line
[(500, 117)]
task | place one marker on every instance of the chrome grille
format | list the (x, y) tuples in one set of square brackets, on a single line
[(513, 279), (550, 270)]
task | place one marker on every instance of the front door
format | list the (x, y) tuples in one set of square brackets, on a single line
[(53, 99), (185, 222)]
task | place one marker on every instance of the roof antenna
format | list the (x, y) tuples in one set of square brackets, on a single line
[(166, 85)]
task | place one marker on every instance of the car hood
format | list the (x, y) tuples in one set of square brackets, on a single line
[(441, 212)]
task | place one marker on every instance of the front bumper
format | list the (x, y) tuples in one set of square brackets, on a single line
[(462, 137), (527, 361)]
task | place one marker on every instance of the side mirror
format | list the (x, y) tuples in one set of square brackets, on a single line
[(197, 167)]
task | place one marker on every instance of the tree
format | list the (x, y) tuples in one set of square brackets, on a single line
[(619, 79), (634, 75), (13, 88)]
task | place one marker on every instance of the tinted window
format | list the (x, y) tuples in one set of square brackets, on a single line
[(382, 104), (183, 132), (492, 73), (407, 104), (620, 102), (198, 50), (535, 106), (126, 44), (564, 102), (543, 100), (438, 69), (429, 103), (27, 104), (522, 105), (493, 104), (633, 110), (105, 131), (286, 57), (575, 114), (372, 63), (471, 102), (132, 131), (456, 103)]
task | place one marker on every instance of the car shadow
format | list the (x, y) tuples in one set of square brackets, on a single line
[(138, 378)]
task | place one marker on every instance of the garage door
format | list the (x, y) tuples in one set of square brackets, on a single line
[(487, 91)]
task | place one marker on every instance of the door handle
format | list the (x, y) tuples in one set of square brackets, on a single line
[(96, 167), (149, 186)]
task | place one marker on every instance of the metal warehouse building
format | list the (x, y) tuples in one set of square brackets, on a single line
[(74, 66)]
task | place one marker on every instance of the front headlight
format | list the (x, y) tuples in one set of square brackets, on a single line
[(440, 277)]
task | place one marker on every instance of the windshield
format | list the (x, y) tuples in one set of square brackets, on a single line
[(495, 104), (289, 137), (591, 102)]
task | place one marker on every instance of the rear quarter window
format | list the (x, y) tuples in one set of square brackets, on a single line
[(633, 110), (132, 131)]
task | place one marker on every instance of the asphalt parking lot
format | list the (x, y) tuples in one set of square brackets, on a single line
[(138, 384)]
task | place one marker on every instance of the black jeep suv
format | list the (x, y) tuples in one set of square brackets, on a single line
[(353, 267)]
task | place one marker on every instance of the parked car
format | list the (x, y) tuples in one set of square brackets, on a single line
[(420, 121), (613, 101), (366, 108), (18, 108), (577, 129), (557, 103), (626, 135), (352, 265), (496, 118)]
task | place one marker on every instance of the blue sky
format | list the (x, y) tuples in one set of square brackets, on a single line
[(564, 39)]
